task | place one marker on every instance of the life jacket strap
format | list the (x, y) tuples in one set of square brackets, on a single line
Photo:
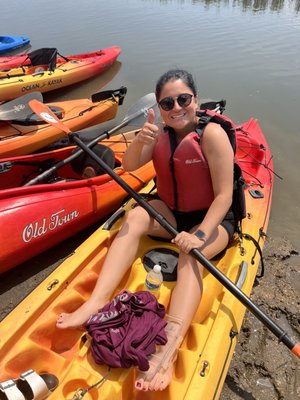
[(173, 145)]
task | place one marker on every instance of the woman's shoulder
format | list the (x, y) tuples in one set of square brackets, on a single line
[(213, 132), (215, 136)]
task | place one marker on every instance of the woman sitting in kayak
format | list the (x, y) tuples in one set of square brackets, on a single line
[(203, 169)]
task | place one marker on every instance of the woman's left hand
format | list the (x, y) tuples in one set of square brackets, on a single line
[(187, 241)]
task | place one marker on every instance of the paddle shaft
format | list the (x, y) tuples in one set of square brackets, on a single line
[(227, 283)]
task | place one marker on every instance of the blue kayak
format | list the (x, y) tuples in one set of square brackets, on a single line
[(8, 43)]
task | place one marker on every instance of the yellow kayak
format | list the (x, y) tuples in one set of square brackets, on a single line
[(16, 82), (29, 338)]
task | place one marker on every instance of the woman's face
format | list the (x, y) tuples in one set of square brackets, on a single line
[(181, 118)]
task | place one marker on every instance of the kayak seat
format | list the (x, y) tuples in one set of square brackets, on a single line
[(6, 39), (166, 258), (86, 167), (33, 119)]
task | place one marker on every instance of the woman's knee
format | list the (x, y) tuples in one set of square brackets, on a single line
[(187, 263), (218, 243), (138, 219)]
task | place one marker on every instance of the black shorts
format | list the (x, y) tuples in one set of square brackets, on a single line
[(187, 220)]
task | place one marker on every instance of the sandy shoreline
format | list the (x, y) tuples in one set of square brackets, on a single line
[(261, 367)]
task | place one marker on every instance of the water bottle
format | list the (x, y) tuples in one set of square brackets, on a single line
[(154, 280)]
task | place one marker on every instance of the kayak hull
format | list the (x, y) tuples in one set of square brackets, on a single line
[(40, 216), (9, 43), (18, 139), (208, 346), (19, 81)]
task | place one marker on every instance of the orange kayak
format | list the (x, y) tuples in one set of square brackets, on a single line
[(25, 136), (34, 341), (26, 79)]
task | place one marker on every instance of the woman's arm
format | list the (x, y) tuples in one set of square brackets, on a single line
[(219, 155)]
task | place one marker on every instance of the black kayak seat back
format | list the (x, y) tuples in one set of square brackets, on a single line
[(85, 160), (44, 56), (33, 119)]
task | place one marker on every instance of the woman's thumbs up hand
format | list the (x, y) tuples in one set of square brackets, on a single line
[(149, 133)]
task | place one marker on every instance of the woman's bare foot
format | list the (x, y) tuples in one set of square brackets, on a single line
[(159, 381), (159, 375), (79, 317)]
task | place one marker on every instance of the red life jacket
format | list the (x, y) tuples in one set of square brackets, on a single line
[(183, 179), (182, 173)]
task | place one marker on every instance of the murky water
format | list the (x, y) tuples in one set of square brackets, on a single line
[(244, 51)]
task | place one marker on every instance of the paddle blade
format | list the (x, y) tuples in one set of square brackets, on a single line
[(138, 113), (44, 112), (296, 350), (18, 108)]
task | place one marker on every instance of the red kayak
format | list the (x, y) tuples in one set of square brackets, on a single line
[(17, 60), (35, 218)]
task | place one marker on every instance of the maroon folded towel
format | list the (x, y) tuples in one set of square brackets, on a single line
[(126, 330)]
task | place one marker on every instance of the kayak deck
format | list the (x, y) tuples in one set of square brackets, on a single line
[(66, 354), (15, 61)]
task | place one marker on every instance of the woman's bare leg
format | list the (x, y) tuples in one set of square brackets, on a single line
[(184, 303), (118, 260)]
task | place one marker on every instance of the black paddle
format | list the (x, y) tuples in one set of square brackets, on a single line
[(18, 108), (136, 115), (42, 110)]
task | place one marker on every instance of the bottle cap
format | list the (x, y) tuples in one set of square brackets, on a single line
[(157, 268)]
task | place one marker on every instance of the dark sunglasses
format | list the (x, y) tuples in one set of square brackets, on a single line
[(183, 100)]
